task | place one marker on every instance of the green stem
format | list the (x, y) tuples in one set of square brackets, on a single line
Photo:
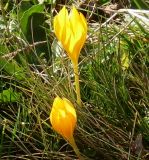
[(75, 148), (76, 73)]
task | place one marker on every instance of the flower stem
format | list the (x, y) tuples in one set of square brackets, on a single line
[(76, 73), (75, 148)]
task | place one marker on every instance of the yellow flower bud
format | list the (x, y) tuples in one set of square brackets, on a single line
[(63, 117), (71, 31)]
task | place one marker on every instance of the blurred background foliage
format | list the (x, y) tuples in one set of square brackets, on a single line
[(114, 78)]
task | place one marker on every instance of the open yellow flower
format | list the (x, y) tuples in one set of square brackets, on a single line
[(71, 31), (63, 117)]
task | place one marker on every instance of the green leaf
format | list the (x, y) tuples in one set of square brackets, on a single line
[(25, 18), (3, 49), (139, 4), (9, 96), (12, 69), (104, 1)]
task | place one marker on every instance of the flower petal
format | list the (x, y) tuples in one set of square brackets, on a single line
[(60, 23)]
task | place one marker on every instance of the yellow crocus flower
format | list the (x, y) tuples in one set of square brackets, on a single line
[(71, 31), (63, 119)]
